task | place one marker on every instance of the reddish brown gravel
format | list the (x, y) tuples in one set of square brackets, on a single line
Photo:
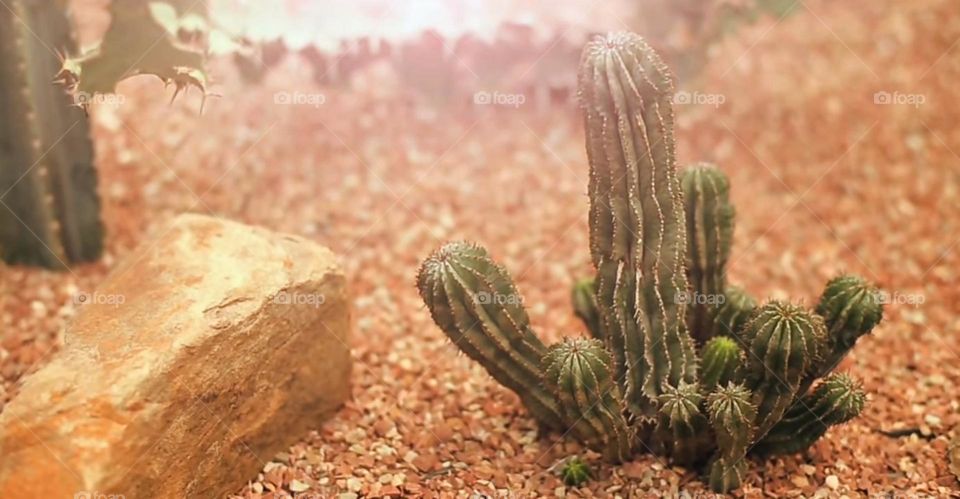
[(824, 180)]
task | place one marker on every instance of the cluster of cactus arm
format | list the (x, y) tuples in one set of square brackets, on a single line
[(707, 380)]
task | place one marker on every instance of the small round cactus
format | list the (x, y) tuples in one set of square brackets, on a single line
[(576, 472), (683, 427), (720, 359), (851, 307), (731, 415)]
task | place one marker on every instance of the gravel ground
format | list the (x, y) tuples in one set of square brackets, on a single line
[(824, 180)]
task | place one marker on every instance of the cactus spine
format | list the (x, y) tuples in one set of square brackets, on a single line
[(580, 375), (732, 415), (476, 304), (784, 343), (636, 381), (710, 219), (637, 239), (836, 400), (721, 359), (49, 214), (584, 298)]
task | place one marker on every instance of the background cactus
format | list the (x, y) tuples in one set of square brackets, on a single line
[(638, 383), (49, 209), (709, 222)]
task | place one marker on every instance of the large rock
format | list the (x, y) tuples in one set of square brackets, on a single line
[(216, 346)]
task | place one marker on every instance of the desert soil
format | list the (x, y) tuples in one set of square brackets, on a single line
[(824, 179)]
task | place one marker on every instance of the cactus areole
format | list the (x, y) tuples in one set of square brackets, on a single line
[(704, 382)]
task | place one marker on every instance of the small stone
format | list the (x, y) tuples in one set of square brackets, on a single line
[(298, 486), (354, 484), (832, 481), (800, 481), (932, 420)]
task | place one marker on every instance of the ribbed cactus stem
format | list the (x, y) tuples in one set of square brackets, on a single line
[(579, 372), (50, 212), (475, 303), (784, 342), (584, 298), (836, 400), (736, 309), (720, 360), (732, 416), (710, 219), (724, 475), (683, 427), (851, 307), (637, 235)]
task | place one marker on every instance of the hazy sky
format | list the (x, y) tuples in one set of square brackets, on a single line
[(326, 22)]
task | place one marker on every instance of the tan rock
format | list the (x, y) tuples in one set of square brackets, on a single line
[(215, 347)]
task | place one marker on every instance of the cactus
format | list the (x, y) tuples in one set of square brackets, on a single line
[(851, 308), (836, 400), (732, 416), (638, 382), (710, 218), (730, 317), (584, 298), (683, 426), (721, 359), (637, 239), (580, 375), (476, 304), (575, 472), (49, 209), (784, 342)]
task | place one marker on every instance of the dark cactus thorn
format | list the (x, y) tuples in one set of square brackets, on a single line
[(836, 400), (475, 303), (579, 373), (709, 222), (637, 234)]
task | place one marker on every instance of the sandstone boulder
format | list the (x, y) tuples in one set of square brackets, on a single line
[(214, 347)]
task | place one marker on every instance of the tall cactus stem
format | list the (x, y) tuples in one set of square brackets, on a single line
[(709, 222), (637, 237), (732, 416), (475, 303), (683, 427)]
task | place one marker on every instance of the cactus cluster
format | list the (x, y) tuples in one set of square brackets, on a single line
[(49, 209), (679, 361)]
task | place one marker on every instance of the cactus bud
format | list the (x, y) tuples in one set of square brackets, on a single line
[(579, 372), (721, 359), (575, 472), (584, 298), (471, 298)]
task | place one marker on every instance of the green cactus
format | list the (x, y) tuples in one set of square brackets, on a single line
[(476, 304), (836, 400), (49, 208), (646, 387), (851, 308), (584, 298), (784, 342), (732, 417), (710, 219), (635, 198), (736, 309), (576, 472), (580, 375), (722, 358), (683, 427)]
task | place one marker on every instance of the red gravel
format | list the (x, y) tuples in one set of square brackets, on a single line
[(824, 180)]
